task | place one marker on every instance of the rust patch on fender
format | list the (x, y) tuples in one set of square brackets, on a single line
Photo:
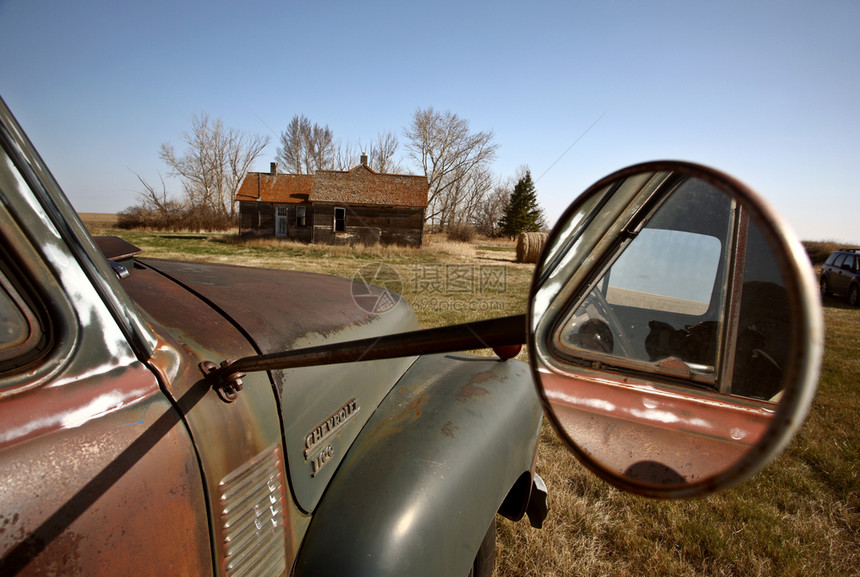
[(416, 405), (482, 377), (397, 420), (449, 429), (470, 391)]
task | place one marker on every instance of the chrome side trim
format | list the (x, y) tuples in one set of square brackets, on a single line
[(252, 505)]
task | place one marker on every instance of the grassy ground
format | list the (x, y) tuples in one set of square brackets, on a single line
[(801, 516)]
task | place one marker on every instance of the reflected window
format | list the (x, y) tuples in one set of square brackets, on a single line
[(662, 304), (668, 270), (764, 324), (661, 300)]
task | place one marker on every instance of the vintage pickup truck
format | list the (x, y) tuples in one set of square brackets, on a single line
[(170, 418)]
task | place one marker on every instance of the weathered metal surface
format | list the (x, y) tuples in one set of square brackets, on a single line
[(99, 498), (656, 434), (91, 433), (283, 311), (44, 212), (228, 436), (116, 248), (415, 493), (278, 308), (47, 348), (310, 395)]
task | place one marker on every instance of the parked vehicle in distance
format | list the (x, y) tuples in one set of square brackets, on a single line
[(840, 275), (172, 418)]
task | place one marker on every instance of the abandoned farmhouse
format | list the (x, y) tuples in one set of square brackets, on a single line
[(334, 206)]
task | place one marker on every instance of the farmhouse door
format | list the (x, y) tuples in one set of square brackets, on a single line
[(281, 221)]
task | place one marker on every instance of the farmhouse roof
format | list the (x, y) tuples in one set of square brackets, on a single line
[(278, 188), (359, 185)]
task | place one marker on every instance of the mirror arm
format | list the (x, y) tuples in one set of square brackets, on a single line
[(504, 335)]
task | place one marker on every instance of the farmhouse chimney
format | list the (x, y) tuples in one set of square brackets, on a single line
[(273, 168), (364, 159)]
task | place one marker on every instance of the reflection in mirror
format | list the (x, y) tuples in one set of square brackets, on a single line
[(664, 331)]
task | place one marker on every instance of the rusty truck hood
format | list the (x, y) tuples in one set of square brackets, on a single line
[(276, 311), (280, 310)]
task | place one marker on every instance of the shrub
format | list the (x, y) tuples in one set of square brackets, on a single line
[(819, 250), (174, 217), (461, 232)]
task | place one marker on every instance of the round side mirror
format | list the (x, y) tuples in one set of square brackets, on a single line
[(675, 330)]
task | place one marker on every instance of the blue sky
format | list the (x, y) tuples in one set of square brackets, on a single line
[(767, 91)]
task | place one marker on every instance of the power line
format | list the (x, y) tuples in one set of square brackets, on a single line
[(572, 145)]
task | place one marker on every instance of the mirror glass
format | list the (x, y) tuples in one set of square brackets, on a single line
[(669, 330)]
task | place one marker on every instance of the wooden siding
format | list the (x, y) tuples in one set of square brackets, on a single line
[(369, 224), (258, 219)]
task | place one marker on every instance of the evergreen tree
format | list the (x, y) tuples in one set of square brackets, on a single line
[(522, 214)]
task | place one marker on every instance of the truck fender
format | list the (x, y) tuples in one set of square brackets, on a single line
[(425, 477)]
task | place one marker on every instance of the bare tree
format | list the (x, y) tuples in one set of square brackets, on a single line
[(213, 164), (450, 154), (163, 211), (490, 211), (291, 149), (155, 209), (345, 156), (381, 155), (151, 198), (467, 195), (306, 148)]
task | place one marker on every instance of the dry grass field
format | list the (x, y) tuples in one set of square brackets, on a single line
[(98, 220), (800, 516)]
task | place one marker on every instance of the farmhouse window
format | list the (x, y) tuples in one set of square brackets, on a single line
[(301, 216), (339, 219)]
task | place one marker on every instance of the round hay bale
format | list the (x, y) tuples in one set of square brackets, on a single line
[(530, 245)]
